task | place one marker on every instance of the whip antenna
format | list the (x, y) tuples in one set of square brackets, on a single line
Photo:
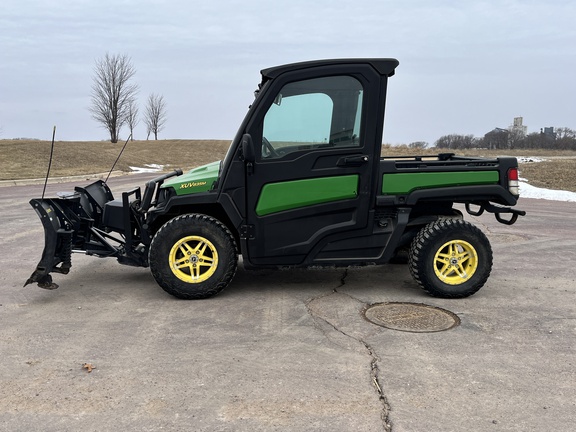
[(118, 158), (49, 161)]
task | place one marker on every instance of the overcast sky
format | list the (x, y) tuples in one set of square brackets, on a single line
[(465, 66)]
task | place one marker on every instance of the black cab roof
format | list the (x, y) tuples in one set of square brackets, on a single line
[(384, 66)]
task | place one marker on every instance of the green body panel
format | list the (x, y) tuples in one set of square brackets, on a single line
[(196, 180), (277, 197), (404, 183)]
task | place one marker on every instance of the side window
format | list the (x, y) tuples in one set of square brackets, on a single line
[(310, 114)]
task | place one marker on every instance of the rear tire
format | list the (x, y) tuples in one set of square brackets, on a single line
[(193, 256), (450, 258)]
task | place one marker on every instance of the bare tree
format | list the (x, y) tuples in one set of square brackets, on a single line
[(418, 145), (455, 141), (132, 117), (565, 138), (155, 115), (112, 92)]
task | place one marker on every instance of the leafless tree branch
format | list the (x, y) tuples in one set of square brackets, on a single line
[(132, 117), (112, 92), (155, 116)]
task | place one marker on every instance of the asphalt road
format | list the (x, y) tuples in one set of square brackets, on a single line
[(288, 350)]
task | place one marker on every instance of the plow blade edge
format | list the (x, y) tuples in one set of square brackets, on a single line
[(58, 231)]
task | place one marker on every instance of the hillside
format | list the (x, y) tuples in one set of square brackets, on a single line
[(21, 159), (24, 159)]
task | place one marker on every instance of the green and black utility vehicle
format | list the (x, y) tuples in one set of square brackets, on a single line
[(303, 184)]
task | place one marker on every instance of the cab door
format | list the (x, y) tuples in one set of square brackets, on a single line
[(310, 184)]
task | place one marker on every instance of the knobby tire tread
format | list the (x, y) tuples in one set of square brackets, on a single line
[(419, 252), (199, 291)]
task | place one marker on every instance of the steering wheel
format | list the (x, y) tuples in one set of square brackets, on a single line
[(271, 150)]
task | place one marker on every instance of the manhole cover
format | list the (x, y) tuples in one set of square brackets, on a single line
[(411, 317)]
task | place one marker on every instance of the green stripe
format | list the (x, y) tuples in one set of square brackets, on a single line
[(404, 183), (277, 197)]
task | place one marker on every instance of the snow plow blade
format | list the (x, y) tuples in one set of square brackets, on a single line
[(70, 223), (57, 243)]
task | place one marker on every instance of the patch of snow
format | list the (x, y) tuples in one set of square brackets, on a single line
[(149, 168), (524, 159), (529, 191)]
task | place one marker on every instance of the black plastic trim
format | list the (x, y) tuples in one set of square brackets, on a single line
[(384, 66)]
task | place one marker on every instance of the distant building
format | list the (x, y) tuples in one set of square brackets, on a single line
[(517, 129), (497, 138), (548, 132)]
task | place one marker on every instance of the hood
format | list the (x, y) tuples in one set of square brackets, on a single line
[(196, 180)]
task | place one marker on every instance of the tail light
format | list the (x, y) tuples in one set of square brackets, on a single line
[(513, 181)]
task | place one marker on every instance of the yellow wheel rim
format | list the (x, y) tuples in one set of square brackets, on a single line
[(455, 262), (193, 259)]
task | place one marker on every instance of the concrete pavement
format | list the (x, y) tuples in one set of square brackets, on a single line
[(288, 350)]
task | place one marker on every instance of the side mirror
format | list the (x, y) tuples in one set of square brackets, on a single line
[(248, 148)]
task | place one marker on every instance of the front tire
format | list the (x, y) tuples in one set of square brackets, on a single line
[(450, 258), (193, 256)]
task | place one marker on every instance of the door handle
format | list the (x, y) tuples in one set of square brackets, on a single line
[(352, 161)]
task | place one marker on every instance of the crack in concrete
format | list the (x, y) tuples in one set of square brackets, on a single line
[(374, 359), (342, 280), (375, 375)]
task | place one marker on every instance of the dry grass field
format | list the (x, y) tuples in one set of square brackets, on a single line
[(23, 159)]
